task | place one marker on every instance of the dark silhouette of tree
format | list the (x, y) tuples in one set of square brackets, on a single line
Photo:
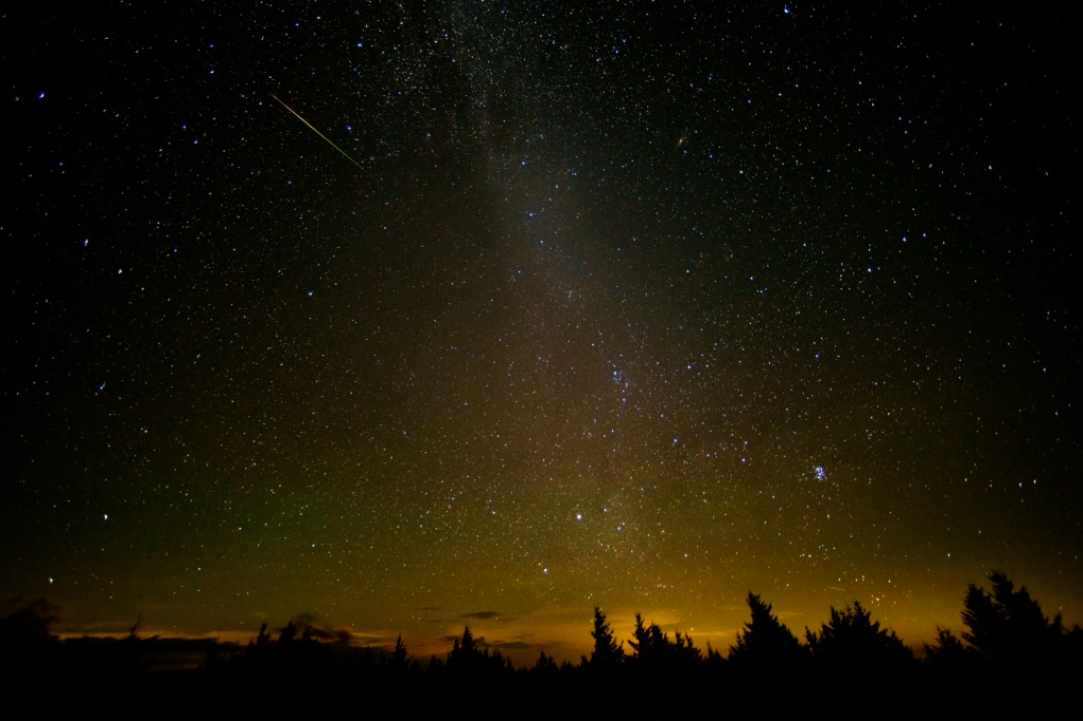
[(853, 640), (765, 641), (465, 647), (948, 652), (545, 664), (607, 653), (399, 658), (29, 624), (641, 637), (26, 639), (684, 654), (133, 632), (468, 656), (263, 639), (1005, 630), (1072, 646), (655, 652), (714, 660), (1008, 627), (641, 642), (288, 633)]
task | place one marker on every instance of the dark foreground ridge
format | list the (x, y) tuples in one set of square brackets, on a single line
[(1005, 632)]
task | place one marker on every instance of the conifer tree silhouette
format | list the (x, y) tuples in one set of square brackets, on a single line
[(765, 641), (399, 659), (684, 653), (468, 646), (947, 652), (288, 633), (467, 656), (464, 653), (133, 631), (655, 652), (641, 641), (714, 660), (264, 638), (607, 653), (545, 664), (852, 639), (1008, 626)]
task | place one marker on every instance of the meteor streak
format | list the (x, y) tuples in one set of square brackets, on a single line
[(313, 128)]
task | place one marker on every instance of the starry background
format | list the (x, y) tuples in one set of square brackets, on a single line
[(642, 305)]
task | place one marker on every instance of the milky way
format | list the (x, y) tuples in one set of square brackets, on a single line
[(641, 306)]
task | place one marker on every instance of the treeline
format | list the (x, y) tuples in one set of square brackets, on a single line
[(1004, 629)]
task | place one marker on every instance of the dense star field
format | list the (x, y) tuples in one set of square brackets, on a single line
[(411, 316)]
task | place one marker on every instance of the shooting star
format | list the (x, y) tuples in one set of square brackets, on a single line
[(313, 128)]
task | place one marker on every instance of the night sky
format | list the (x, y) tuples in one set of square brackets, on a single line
[(641, 305)]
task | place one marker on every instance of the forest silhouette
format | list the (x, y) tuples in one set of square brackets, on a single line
[(1005, 630)]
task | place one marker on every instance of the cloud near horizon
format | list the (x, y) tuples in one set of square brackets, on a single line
[(483, 616)]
